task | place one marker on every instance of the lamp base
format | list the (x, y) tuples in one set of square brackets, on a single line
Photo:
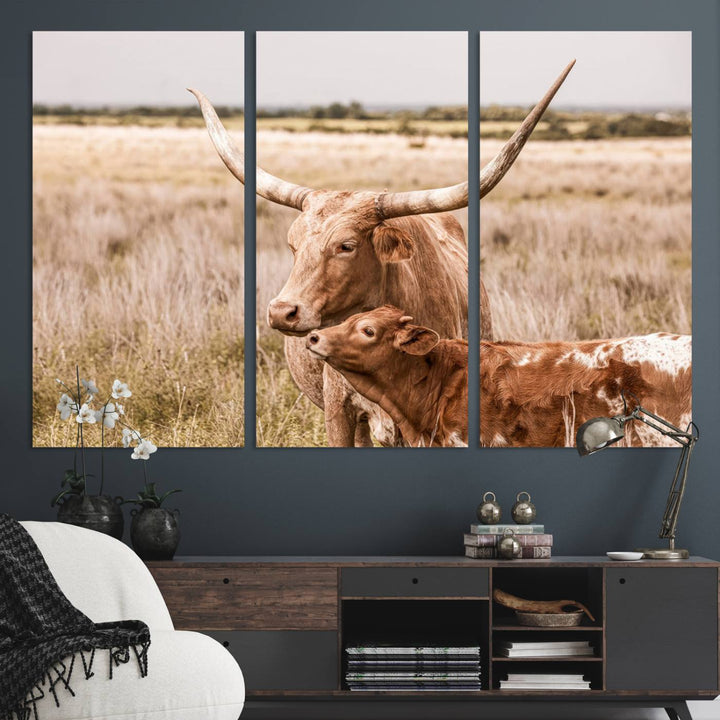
[(663, 554)]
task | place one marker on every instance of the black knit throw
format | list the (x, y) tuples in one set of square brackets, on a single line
[(43, 637)]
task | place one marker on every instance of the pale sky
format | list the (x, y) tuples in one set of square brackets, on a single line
[(628, 69), (132, 68), (374, 68), (624, 69)]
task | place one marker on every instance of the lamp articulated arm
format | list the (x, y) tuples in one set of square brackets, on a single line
[(677, 489)]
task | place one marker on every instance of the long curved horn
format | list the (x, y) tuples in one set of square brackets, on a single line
[(266, 185), (452, 198)]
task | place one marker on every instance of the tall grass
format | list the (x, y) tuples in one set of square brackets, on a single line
[(589, 240), (138, 274)]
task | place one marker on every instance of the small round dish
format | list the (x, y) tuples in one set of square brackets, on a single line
[(625, 555)]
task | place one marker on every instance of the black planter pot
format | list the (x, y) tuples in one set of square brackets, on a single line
[(95, 512), (155, 533)]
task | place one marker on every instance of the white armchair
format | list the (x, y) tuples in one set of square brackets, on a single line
[(190, 675)]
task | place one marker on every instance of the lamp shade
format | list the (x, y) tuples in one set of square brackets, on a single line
[(598, 433)]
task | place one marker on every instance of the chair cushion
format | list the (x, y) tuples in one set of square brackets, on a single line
[(190, 677), (100, 575)]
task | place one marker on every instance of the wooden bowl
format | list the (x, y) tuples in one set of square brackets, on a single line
[(533, 619)]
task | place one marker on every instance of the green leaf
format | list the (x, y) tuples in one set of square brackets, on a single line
[(167, 495)]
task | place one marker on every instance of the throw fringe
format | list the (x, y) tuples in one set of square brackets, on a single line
[(60, 673)]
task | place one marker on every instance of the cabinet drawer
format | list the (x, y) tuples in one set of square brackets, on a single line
[(248, 598), (415, 582), (286, 660)]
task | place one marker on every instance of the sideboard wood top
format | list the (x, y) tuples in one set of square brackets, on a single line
[(420, 561)]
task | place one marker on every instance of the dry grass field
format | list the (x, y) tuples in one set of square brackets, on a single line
[(137, 259), (138, 274), (582, 239), (586, 240)]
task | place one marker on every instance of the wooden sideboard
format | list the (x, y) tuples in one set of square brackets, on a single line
[(287, 621)]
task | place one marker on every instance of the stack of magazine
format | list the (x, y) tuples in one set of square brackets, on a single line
[(412, 667), (538, 681)]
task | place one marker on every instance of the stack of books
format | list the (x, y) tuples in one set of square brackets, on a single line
[(551, 648), (417, 668), (537, 681), (481, 542)]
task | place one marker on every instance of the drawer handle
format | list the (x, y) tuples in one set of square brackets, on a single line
[(415, 581), (621, 581), (226, 580), (226, 644)]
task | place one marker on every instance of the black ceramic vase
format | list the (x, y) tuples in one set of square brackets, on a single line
[(155, 533), (95, 512)]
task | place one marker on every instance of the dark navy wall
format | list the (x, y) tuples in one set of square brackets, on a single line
[(262, 501)]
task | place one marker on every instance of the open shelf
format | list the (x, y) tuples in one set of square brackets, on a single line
[(582, 585), (415, 622)]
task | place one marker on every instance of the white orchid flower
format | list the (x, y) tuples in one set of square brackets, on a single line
[(128, 436), (120, 408), (90, 386), (98, 415), (66, 406), (143, 450), (86, 415), (109, 416), (120, 390)]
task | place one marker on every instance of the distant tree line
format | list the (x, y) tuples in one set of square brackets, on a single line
[(597, 124), (555, 125), (356, 111), (143, 110)]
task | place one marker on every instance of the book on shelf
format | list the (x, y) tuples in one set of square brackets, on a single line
[(544, 681), (397, 676), (506, 685), (442, 663), (416, 688), (490, 553), (479, 529), (414, 650), (474, 539), (546, 652), (542, 644), (545, 677)]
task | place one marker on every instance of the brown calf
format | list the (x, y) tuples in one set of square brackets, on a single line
[(418, 379), (531, 394)]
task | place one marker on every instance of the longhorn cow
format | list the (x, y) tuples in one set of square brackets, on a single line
[(354, 251)]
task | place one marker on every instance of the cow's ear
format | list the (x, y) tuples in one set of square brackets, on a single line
[(392, 244), (415, 340)]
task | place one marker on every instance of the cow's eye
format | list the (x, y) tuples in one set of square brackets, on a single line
[(346, 247), (369, 331)]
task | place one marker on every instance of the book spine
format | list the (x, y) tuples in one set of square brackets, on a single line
[(479, 529), (538, 540), (480, 540), (490, 553)]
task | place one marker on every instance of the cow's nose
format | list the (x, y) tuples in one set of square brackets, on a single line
[(282, 314), (313, 339)]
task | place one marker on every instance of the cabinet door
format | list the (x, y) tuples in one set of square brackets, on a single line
[(284, 660), (662, 629)]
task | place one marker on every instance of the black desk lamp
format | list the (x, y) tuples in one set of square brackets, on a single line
[(598, 433)]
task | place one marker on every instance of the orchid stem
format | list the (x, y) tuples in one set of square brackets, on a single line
[(82, 437)]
